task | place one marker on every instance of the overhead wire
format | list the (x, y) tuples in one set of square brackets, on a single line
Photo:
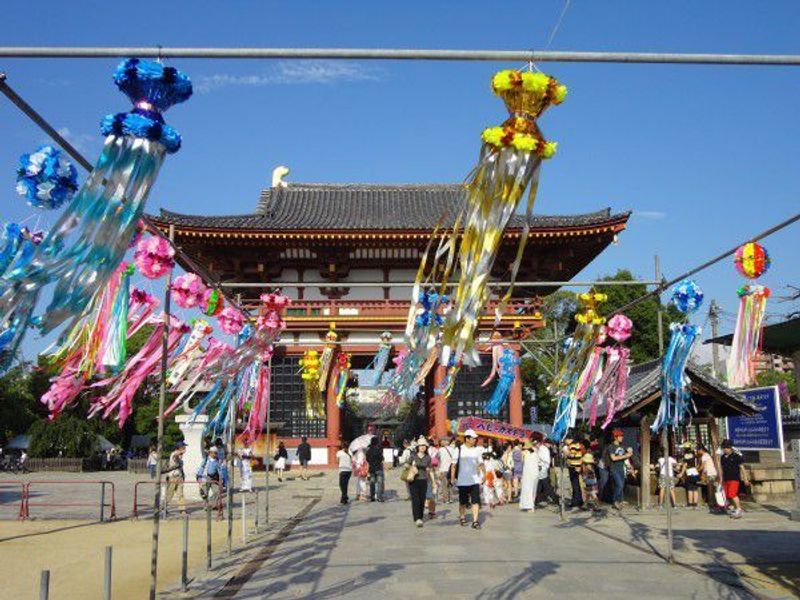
[(45, 126)]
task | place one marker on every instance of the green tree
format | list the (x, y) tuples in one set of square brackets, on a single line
[(644, 338), (70, 436), (19, 407), (543, 356)]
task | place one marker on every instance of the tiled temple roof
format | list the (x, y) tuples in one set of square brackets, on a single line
[(318, 206), (644, 381)]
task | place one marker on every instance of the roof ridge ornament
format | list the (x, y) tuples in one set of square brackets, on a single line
[(278, 173)]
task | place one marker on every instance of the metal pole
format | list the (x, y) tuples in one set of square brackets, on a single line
[(666, 284), (102, 500), (59, 139), (244, 519), (208, 531), (185, 554), (107, 575), (160, 435), (513, 56), (267, 450), (231, 449), (713, 317), (44, 585), (665, 433), (255, 514), (408, 284), (561, 486)]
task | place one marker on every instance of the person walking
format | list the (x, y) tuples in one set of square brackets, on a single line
[(615, 457), (530, 476), (467, 472), (152, 462), (446, 454), (304, 457), (361, 474), (590, 483), (223, 464), (420, 461), (545, 491), (516, 468), (666, 468), (345, 471), (175, 478), (376, 476), (733, 476), (208, 474), (573, 454), (689, 473), (710, 476), (280, 458)]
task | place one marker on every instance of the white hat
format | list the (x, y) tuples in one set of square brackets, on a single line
[(470, 433), (421, 441)]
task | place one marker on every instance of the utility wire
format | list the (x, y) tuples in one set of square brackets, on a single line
[(664, 285), (45, 126), (557, 25)]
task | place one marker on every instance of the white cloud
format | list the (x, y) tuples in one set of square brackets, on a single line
[(653, 215), (82, 141), (292, 73)]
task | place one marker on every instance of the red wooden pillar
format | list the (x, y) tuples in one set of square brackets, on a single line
[(332, 413), (515, 401), (438, 405)]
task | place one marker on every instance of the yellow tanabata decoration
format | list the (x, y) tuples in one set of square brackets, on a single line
[(315, 408), (326, 362), (508, 165)]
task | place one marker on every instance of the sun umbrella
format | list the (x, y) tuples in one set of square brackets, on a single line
[(361, 443)]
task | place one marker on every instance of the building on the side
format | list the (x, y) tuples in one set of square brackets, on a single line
[(318, 242)]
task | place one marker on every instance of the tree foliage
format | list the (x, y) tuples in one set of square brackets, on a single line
[(543, 356)]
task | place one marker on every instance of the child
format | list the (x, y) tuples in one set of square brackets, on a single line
[(490, 480), (589, 482)]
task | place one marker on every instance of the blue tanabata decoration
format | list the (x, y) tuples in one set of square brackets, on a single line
[(430, 302), (508, 372), (88, 242), (676, 395), (46, 178), (687, 296)]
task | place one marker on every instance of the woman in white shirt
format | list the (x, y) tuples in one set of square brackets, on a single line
[(345, 470), (446, 454)]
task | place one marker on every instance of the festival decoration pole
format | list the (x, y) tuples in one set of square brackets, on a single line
[(665, 434), (231, 448), (560, 451), (162, 395), (267, 451)]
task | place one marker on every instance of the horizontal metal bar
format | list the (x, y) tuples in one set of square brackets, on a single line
[(398, 54), (381, 284)]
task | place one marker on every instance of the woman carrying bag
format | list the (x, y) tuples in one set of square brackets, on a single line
[(418, 474)]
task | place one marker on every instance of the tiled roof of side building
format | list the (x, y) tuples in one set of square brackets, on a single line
[(367, 206)]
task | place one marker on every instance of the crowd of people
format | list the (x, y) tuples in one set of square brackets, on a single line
[(487, 474)]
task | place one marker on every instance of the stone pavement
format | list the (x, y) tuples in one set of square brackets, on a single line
[(369, 550)]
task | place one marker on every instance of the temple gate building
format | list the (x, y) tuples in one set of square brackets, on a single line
[(317, 242)]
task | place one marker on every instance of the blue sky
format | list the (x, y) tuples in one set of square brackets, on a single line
[(704, 156)]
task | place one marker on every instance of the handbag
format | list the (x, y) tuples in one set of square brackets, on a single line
[(409, 473)]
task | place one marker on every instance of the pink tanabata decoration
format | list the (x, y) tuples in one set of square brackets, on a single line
[(619, 328), (231, 320), (188, 290), (154, 256)]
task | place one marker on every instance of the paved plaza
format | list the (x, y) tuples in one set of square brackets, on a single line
[(369, 550), (315, 548)]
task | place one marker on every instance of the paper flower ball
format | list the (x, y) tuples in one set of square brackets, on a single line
[(231, 320), (212, 303), (154, 256), (619, 328), (188, 290), (752, 260), (687, 296), (46, 178)]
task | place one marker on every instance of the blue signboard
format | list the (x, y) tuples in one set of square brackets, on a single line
[(763, 431)]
